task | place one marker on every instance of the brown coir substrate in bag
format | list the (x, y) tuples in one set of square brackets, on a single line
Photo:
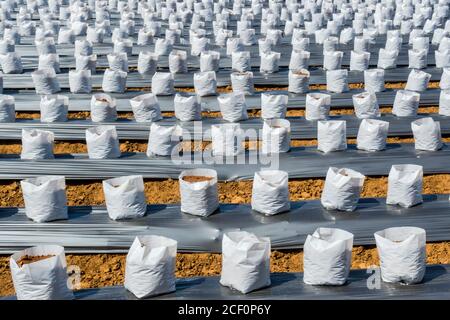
[(196, 178), (30, 259)]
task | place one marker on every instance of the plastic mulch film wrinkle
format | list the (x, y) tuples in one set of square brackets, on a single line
[(199, 234)]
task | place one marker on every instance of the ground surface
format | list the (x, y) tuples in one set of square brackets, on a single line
[(108, 269)]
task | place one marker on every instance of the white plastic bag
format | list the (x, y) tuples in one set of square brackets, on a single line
[(342, 189), (163, 84), (393, 44), (273, 105), (233, 107), (269, 62), (145, 37), (300, 44), (205, 83), (337, 80), (49, 61), (11, 63), (45, 198), (178, 61), (114, 81), (366, 105), (427, 134), (54, 108), (209, 61), (327, 257), (374, 80), (103, 108), (361, 44), (242, 82), (163, 47), (421, 43), (41, 280), (317, 106), (95, 35), (118, 61), (406, 103), (298, 81), (359, 61), (444, 83), (405, 185), (45, 81), (83, 48), (86, 63), (276, 136), (234, 45), (417, 81), (264, 45), (442, 58), (330, 44), (80, 81), (227, 139), (146, 108), (187, 107), (444, 103), (150, 266), (240, 61), (402, 254), (147, 62), (299, 60), (125, 197), (332, 60), (102, 142), (387, 59), (247, 37), (245, 261), (45, 45), (123, 46), (270, 192), (66, 36), (417, 59), (331, 135), (37, 144), (199, 196), (372, 135), (199, 45), (7, 108), (163, 140)]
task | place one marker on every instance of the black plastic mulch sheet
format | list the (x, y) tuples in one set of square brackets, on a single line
[(89, 230), (26, 100), (135, 80), (299, 163), (201, 130), (290, 286)]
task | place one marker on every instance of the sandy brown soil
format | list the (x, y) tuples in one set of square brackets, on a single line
[(167, 191)]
